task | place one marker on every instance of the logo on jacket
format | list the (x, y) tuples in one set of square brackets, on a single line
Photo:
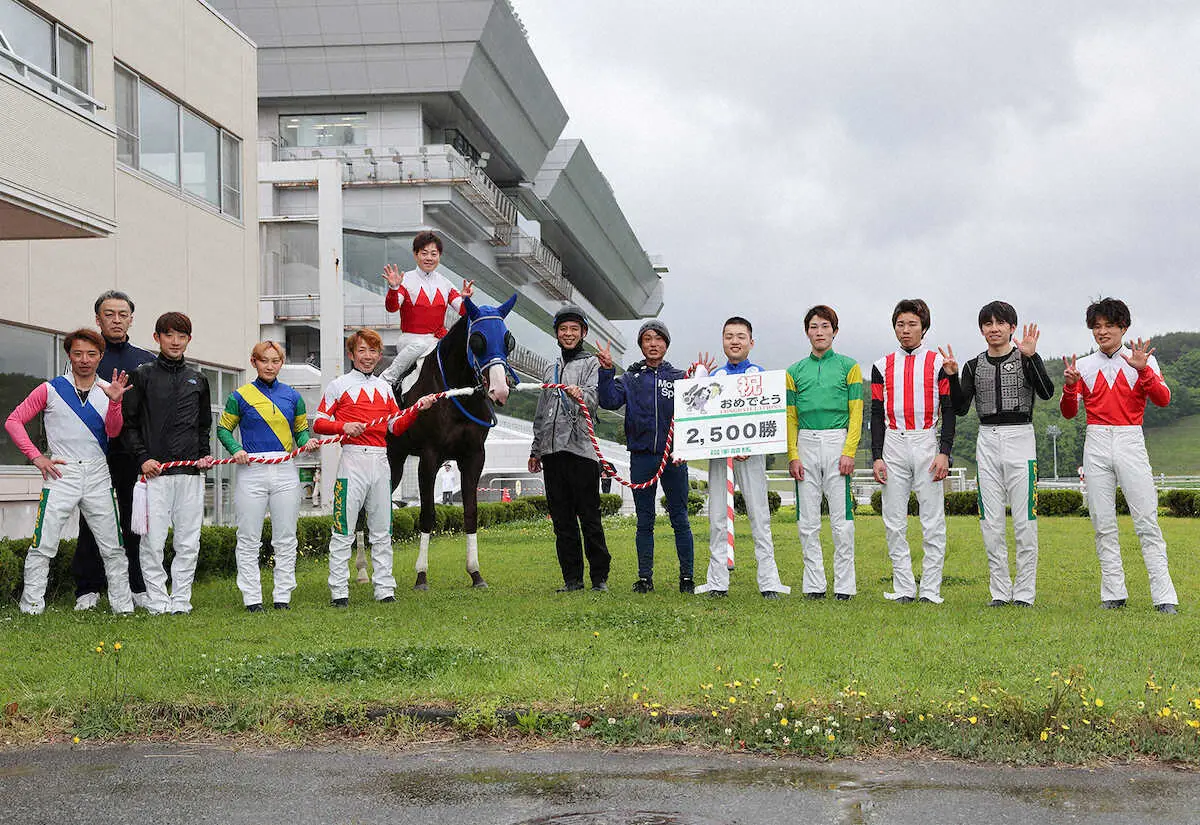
[(667, 389)]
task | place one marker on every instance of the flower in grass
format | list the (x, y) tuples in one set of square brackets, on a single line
[(714, 713), (575, 726), (612, 721), (634, 697), (892, 729), (76, 740), (920, 717), (116, 645), (1193, 723), (654, 713), (783, 722), (733, 700), (1141, 705), (729, 731), (736, 683), (778, 706), (1045, 735), (831, 737), (99, 648), (973, 719), (596, 634), (787, 741)]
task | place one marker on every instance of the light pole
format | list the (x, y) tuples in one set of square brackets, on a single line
[(1054, 432)]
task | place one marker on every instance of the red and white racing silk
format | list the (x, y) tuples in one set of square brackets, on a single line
[(356, 397), (910, 388), (422, 300), (1112, 391)]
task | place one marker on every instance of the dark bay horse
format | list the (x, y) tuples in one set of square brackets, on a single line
[(474, 353)]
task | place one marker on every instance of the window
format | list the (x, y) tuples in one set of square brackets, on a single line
[(159, 133), (27, 358), (201, 145), (231, 175), (127, 117), (40, 51), (323, 130), (161, 136)]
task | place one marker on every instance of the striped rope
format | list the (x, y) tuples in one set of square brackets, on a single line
[(606, 467), (375, 422)]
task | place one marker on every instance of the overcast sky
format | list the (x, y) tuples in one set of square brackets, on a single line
[(782, 154)]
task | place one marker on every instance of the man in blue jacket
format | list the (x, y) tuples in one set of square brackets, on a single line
[(647, 391)]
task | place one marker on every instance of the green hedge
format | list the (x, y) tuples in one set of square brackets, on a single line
[(218, 543), (695, 502), (1182, 502), (1050, 503)]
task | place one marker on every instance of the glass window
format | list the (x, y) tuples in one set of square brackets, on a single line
[(199, 159), (159, 121), (30, 36), (323, 130), (127, 116), (72, 60), (26, 360), (231, 175)]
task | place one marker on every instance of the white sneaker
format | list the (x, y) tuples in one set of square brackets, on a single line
[(140, 599), (87, 601)]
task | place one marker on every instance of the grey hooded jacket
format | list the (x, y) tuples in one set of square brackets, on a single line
[(558, 424)]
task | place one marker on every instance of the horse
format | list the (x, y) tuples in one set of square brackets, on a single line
[(474, 353)]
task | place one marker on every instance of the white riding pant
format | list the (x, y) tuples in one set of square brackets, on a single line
[(1115, 456), (364, 479), (261, 487), (820, 452), (88, 486), (173, 501), (410, 347), (751, 478), (908, 455), (1007, 459)]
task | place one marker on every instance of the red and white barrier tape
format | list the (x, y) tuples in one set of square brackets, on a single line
[(375, 422), (587, 415)]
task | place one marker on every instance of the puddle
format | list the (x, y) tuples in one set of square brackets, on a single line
[(17, 770), (757, 777), (613, 818), (433, 787)]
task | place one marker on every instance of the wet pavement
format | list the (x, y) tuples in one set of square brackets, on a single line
[(482, 783)]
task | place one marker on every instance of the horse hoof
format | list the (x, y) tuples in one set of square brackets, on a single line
[(421, 583), (477, 580), (363, 580)]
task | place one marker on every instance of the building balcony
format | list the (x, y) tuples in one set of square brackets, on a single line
[(526, 260), (62, 182), (282, 309), (454, 187)]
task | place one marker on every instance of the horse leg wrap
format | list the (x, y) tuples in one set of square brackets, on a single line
[(423, 554), (472, 552)]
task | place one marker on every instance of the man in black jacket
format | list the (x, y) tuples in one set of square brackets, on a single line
[(114, 316), (168, 417)]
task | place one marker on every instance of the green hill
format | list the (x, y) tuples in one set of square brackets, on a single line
[(1175, 449)]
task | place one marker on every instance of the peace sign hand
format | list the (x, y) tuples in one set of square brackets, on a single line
[(1140, 356), (393, 276), (1071, 374), (949, 364), (118, 386), (604, 355), (468, 288), (1029, 339)]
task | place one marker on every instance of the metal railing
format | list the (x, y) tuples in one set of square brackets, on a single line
[(546, 265), (58, 87), (427, 165)]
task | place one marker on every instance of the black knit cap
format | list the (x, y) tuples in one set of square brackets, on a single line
[(656, 325), (570, 312)]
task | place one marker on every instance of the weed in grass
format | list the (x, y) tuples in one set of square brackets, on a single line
[(479, 718)]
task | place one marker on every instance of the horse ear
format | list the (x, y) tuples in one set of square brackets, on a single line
[(507, 306), (472, 310)]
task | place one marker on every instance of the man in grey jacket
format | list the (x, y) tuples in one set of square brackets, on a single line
[(563, 452)]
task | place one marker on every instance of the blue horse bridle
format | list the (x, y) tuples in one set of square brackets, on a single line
[(478, 368)]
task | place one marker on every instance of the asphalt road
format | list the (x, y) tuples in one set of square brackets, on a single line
[(481, 783)]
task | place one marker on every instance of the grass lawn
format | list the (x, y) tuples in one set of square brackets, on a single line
[(1175, 450), (518, 644)]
